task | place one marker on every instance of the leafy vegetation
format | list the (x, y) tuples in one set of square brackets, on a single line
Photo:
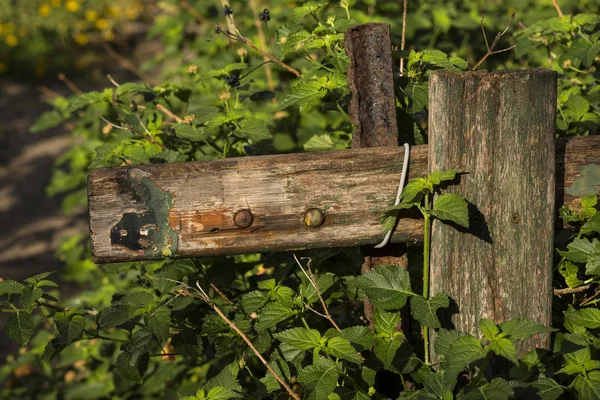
[(249, 78)]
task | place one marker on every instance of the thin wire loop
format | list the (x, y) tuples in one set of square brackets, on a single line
[(388, 235)]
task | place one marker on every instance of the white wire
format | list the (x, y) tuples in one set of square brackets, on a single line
[(388, 235)]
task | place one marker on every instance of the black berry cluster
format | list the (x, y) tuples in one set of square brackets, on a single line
[(264, 16), (227, 11), (232, 80)]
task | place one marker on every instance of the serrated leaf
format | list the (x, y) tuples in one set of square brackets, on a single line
[(340, 347), (308, 291), (521, 328), (436, 386), (413, 191), (592, 267), (505, 348), (158, 323), (300, 338), (319, 143), (588, 387), (221, 393), (444, 339), (253, 129), (10, 287), (591, 225), (385, 351), (497, 389), (452, 207), (84, 100), (548, 388), (418, 96), (385, 322), (424, 310), (271, 315), (188, 342), (47, 120), (463, 351), (488, 328), (319, 380), (30, 295), (360, 335), (569, 271), (253, 301), (70, 328), (387, 286), (187, 131), (305, 93), (136, 371), (585, 317), (38, 277), (438, 177), (19, 327), (111, 317)]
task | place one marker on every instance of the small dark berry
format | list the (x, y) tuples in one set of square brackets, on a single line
[(227, 11), (232, 80), (133, 106), (218, 29), (264, 16)]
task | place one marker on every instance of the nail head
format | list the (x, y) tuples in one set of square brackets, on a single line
[(314, 218), (243, 219)]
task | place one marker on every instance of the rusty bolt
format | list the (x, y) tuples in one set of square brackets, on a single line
[(314, 218), (515, 218), (242, 218)]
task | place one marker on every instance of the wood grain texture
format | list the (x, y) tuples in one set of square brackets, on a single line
[(351, 186), (498, 128)]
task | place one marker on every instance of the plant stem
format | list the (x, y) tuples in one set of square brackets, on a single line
[(426, 245)]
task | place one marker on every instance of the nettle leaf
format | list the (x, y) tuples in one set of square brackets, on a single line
[(300, 338), (253, 129), (435, 385), (387, 286), (340, 347), (385, 322), (271, 315), (221, 393), (548, 389), (488, 328), (111, 317), (586, 317), (462, 352), (188, 342), (521, 328), (497, 389), (158, 322), (226, 378), (85, 100), (19, 327), (418, 96), (444, 339), (438, 177), (592, 267), (588, 387), (47, 120), (253, 301), (30, 295), (569, 271), (424, 310), (133, 371), (281, 368), (592, 225), (580, 249), (308, 291), (10, 287), (319, 380), (452, 207), (505, 348), (413, 191), (359, 335), (70, 327), (412, 394), (187, 131), (305, 93)]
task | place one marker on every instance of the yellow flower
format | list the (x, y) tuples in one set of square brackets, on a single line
[(131, 13), (55, 3), (108, 35), (114, 11), (91, 15), (72, 6), (9, 28), (44, 10), (11, 40), (81, 39), (101, 24)]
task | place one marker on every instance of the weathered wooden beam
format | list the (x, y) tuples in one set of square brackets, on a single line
[(197, 201), (499, 128)]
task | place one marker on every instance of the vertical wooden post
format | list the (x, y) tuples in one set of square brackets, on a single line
[(499, 129), (373, 113)]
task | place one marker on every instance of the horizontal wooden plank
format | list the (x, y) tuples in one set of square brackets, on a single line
[(187, 210)]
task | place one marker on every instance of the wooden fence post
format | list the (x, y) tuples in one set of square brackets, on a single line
[(373, 113), (499, 130)]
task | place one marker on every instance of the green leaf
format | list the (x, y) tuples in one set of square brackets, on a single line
[(580, 249), (359, 335), (221, 393), (591, 225), (19, 327), (385, 322), (462, 352), (438, 177), (308, 291), (253, 301), (413, 191), (488, 328), (452, 207), (497, 389), (70, 327), (418, 96), (158, 323), (521, 328), (187, 131), (305, 93), (111, 317), (548, 388), (38, 277), (588, 387), (424, 310), (10, 287), (577, 107), (592, 267), (385, 351), (227, 377), (136, 371), (434, 383), (586, 317), (320, 142), (271, 315), (30, 295), (505, 348), (319, 380), (47, 120), (253, 129), (84, 100), (340, 347), (386, 286), (300, 338), (569, 271), (444, 339)]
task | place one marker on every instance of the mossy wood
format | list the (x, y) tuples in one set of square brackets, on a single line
[(187, 210), (499, 130)]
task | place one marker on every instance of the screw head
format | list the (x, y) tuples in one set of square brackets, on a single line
[(314, 218), (243, 218)]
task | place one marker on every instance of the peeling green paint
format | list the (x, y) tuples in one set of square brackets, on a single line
[(587, 183), (148, 232)]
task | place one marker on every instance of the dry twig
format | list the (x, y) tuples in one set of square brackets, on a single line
[(557, 7), (70, 84), (404, 11), (562, 292), (490, 49)]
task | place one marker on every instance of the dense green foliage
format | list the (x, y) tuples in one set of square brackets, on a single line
[(165, 329)]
